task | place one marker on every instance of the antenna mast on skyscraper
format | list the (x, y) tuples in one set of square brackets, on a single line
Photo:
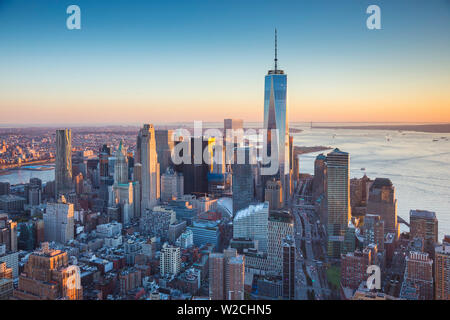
[(276, 59)]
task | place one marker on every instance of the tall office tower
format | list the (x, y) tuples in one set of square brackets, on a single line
[(442, 272), (11, 259), (137, 172), (235, 274), (280, 227), (418, 276), (252, 223), (137, 152), (172, 185), (33, 192), (47, 275), (216, 154), (273, 194), (130, 159), (39, 229), (5, 188), (36, 182), (295, 164), (164, 147), (170, 260), (288, 275), (59, 221), (383, 203), (296, 168), (185, 144), (216, 276), (104, 154), (338, 199), (63, 162), (231, 128), (242, 182), (424, 224), (150, 185), (291, 165), (226, 275), (6, 281), (359, 191), (196, 173), (122, 190), (276, 117), (219, 184), (320, 174), (137, 184), (232, 124), (373, 231), (103, 173), (354, 268), (8, 233), (78, 182), (121, 165)]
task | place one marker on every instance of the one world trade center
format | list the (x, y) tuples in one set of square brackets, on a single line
[(275, 117)]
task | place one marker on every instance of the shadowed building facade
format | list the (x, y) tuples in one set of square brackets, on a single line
[(242, 182), (424, 224), (442, 271), (382, 202), (63, 162), (164, 147)]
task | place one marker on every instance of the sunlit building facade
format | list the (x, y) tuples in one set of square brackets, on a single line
[(150, 173), (338, 198), (275, 117)]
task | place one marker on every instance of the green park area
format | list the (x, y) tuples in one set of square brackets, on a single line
[(334, 275)]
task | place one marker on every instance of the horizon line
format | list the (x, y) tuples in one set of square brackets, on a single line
[(132, 124)]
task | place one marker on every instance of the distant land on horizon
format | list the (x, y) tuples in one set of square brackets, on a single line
[(128, 128), (431, 128)]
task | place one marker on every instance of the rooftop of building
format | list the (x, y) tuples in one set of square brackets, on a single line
[(419, 256), (337, 151), (321, 157), (443, 249), (424, 214), (11, 197), (239, 259), (202, 223), (381, 182), (250, 210), (281, 216)]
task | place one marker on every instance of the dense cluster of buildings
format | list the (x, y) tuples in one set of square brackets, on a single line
[(364, 230), (124, 219)]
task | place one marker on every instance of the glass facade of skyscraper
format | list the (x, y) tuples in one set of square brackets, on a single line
[(275, 117)]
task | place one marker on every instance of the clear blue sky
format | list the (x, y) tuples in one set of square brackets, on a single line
[(156, 59)]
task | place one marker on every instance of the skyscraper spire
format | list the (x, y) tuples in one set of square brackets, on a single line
[(276, 59)]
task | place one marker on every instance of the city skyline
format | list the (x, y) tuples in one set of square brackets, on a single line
[(143, 158), (124, 66)]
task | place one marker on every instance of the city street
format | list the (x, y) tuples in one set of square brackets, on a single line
[(310, 243)]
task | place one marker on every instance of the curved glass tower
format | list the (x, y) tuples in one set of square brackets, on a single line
[(275, 117)]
